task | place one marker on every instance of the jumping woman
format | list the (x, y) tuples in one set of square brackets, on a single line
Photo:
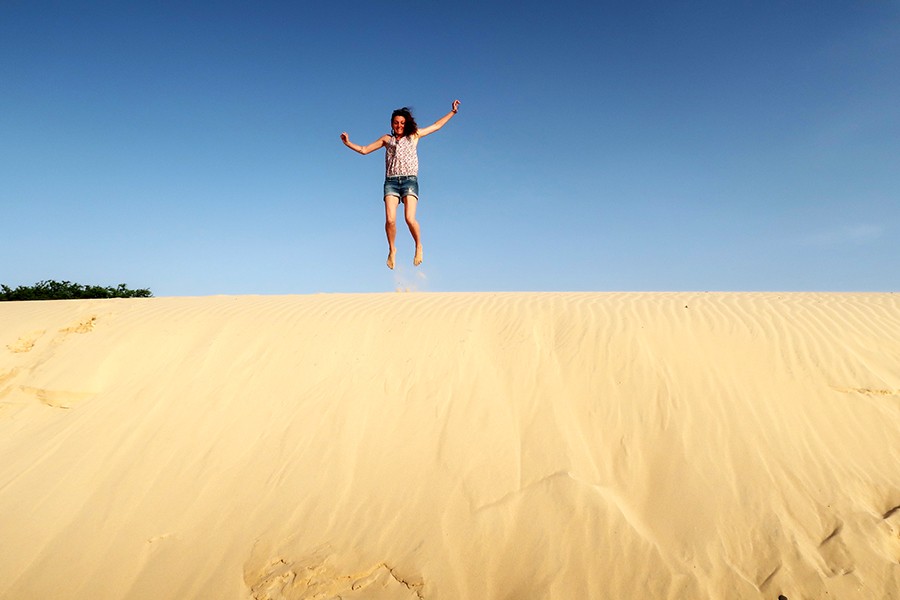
[(401, 173)]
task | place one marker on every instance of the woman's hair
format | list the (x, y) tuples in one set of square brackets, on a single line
[(410, 127)]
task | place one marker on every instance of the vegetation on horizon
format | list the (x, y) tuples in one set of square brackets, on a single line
[(66, 290)]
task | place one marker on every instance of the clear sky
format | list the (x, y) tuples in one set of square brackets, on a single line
[(193, 147)]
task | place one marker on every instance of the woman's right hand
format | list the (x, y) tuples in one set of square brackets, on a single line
[(345, 138)]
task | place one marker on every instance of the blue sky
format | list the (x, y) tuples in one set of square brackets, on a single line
[(193, 148)]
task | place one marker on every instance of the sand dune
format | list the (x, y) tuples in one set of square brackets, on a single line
[(452, 446)]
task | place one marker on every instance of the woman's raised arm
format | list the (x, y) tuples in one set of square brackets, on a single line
[(440, 122), (364, 149)]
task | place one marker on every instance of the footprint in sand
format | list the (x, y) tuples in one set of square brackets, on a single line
[(875, 392), (159, 538), (835, 553), (892, 521), (4, 377), (26, 342), (83, 326), (7, 375), (56, 398), (283, 579)]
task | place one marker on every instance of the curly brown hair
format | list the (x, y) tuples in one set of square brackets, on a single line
[(409, 127)]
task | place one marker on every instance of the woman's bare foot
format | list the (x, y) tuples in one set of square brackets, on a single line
[(418, 258), (390, 259)]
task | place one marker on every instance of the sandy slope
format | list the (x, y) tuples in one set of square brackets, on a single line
[(452, 446)]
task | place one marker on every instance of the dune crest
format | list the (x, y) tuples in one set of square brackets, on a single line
[(452, 446)]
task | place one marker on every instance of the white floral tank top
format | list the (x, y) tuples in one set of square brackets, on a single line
[(400, 156)]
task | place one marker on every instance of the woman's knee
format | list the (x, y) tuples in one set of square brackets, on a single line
[(390, 210)]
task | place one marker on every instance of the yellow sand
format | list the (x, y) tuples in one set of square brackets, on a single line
[(452, 446)]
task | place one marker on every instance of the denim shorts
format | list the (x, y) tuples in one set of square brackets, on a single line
[(402, 186)]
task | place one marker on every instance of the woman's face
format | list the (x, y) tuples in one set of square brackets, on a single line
[(397, 124)]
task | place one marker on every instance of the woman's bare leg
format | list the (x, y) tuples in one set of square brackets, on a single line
[(390, 227), (410, 203)]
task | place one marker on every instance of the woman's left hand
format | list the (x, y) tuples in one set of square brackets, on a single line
[(455, 106)]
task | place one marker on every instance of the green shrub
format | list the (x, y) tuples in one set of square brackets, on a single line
[(66, 290)]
